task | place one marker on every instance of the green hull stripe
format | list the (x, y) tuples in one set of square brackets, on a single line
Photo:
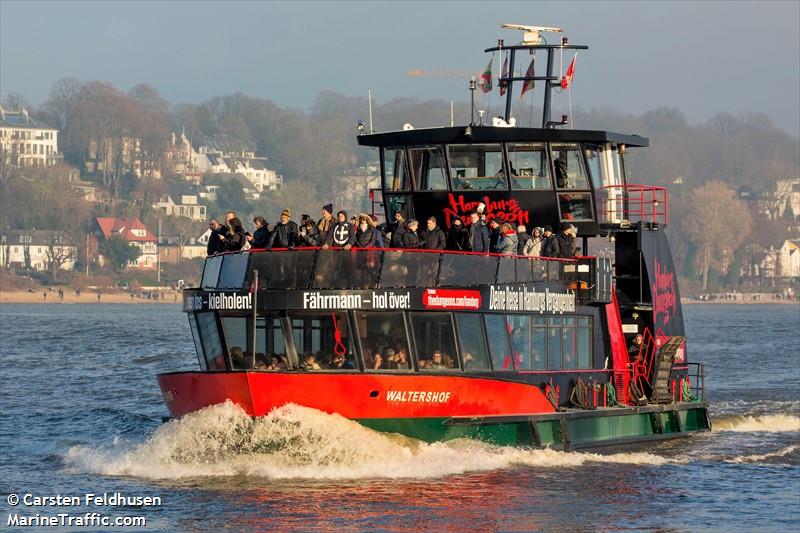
[(558, 431)]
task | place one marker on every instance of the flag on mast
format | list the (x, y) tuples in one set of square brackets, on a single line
[(566, 80), (485, 80), (503, 76), (527, 85)]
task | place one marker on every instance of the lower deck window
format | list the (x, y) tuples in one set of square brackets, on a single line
[(212, 344), (198, 344), (497, 333), (474, 352), (384, 342), (323, 341), (435, 341)]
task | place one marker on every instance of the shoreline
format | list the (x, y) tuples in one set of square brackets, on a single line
[(740, 302), (86, 297)]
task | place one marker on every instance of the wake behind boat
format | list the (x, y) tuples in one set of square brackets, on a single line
[(439, 344)]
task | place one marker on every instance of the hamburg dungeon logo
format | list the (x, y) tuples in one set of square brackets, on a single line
[(500, 210), (663, 293)]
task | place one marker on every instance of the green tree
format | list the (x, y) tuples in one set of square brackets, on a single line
[(119, 252)]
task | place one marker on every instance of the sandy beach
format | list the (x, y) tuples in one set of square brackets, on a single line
[(86, 297)]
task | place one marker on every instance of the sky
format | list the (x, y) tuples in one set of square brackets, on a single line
[(699, 57)]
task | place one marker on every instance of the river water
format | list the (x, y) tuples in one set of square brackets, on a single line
[(80, 412)]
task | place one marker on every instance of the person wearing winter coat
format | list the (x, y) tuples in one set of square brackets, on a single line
[(309, 234), (457, 236), (550, 246), (365, 233), (478, 234), (523, 237), (566, 241), (494, 234), (285, 234), (214, 245), (342, 235), (533, 248), (433, 238), (410, 237), (399, 229), (507, 245), (379, 237), (235, 238), (326, 223), (261, 235)]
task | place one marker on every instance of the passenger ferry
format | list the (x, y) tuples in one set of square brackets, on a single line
[(439, 345)]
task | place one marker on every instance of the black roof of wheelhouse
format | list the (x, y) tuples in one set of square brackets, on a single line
[(479, 134)]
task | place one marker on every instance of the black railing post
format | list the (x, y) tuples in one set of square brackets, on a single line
[(255, 314)]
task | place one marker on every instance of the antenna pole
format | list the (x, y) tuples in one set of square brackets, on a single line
[(547, 89), (472, 87), (509, 85), (369, 98), (452, 116)]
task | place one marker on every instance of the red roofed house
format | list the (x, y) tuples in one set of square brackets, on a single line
[(135, 232)]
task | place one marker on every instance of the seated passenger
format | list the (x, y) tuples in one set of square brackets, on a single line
[(377, 361), (310, 362), (339, 362), (274, 363), (469, 361), (436, 362), (400, 360), (237, 357)]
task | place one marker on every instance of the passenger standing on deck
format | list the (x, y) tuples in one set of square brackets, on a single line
[(285, 233), (566, 241), (433, 238), (478, 234), (342, 235), (457, 236), (235, 238), (522, 239), (399, 229), (379, 237), (260, 237), (550, 247), (309, 234), (507, 244), (533, 248), (494, 234), (326, 223), (214, 245), (411, 237), (365, 232)]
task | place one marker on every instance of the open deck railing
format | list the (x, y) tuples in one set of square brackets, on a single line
[(372, 268), (633, 203)]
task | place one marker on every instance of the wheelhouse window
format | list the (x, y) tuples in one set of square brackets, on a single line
[(474, 352), (384, 341), (570, 172), (323, 341), (395, 173), (497, 331), (428, 167), (575, 206), (198, 343), (212, 344), (528, 166), (435, 341), (477, 167)]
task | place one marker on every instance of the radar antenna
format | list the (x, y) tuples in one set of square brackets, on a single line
[(533, 34)]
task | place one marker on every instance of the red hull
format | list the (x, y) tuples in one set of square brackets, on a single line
[(358, 396)]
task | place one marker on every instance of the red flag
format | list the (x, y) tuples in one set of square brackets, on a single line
[(566, 80), (485, 82), (503, 81), (527, 85)]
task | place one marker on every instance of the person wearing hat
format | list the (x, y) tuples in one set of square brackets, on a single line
[(478, 234), (457, 236), (326, 223), (410, 237), (522, 238), (566, 241), (495, 234), (399, 229), (550, 247), (342, 234), (285, 234)]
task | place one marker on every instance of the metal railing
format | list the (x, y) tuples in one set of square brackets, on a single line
[(633, 203)]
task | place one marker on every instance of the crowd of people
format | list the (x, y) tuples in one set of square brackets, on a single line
[(363, 231)]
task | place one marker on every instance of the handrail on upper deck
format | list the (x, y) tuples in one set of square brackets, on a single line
[(633, 203)]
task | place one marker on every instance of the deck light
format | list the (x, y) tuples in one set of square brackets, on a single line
[(564, 41)]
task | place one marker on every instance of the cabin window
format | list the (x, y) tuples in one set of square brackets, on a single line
[(477, 167), (568, 167), (497, 331), (238, 341), (395, 175), (569, 343), (594, 161), (519, 327), (234, 271), (435, 341), (212, 344), (575, 206), (474, 352), (399, 204), (528, 166), (384, 341), (554, 343), (271, 342), (585, 342), (428, 167), (323, 341), (538, 342), (211, 272), (198, 344)]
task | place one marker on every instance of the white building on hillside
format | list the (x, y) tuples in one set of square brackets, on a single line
[(188, 206), (37, 249), (26, 142)]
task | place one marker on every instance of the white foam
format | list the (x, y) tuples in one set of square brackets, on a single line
[(294, 442), (755, 458), (779, 423)]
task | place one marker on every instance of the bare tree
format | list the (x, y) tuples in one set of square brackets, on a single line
[(59, 252)]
